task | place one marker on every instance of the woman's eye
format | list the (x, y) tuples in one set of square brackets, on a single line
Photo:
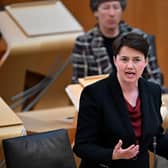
[(116, 6), (106, 7), (137, 60), (124, 59)]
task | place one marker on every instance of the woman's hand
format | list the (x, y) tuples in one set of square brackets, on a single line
[(127, 153)]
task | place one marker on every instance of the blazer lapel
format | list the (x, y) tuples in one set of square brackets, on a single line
[(144, 110), (148, 117), (120, 105)]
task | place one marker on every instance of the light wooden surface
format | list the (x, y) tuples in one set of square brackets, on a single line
[(91, 79), (48, 119), (10, 124), (16, 38), (74, 91), (37, 54), (8, 117), (43, 18)]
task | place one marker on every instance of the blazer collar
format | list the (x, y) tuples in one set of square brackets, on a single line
[(118, 98), (147, 109)]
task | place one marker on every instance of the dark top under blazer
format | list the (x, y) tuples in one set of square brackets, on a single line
[(103, 119)]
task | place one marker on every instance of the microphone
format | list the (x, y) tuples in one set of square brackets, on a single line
[(154, 151)]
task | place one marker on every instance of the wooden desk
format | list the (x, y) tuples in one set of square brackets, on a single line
[(10, 125), (74, 91), (36, 54), (48, 119)]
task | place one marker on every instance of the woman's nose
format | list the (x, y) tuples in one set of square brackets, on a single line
[(130, 64), (112, 11)]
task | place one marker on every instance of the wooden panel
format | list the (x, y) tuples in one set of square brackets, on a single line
[(6, 2), (3, 48), (81, 10), (162, 35)]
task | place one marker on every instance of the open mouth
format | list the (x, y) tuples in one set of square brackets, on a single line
[(130, 74)]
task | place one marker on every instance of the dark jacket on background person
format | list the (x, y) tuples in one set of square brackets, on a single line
[(103, 119)]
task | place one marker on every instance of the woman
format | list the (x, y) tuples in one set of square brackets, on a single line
[(119, 117)]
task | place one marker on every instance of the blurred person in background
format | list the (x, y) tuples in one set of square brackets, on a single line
[(93, 53)]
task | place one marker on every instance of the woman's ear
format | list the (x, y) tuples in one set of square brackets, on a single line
[(96, 14), (114, 60)]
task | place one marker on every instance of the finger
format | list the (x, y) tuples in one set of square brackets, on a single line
[(130, 152), (130, 147), (135, 150), (118, 145), (116, 150)]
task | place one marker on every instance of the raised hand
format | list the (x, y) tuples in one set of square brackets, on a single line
[(127, 153)]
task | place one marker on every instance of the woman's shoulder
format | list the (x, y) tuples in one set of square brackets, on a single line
[(89, 35), (126, 28), (98, 86), (150, 86)]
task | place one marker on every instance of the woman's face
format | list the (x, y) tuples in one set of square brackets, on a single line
[(109, 15), (130, 65)]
